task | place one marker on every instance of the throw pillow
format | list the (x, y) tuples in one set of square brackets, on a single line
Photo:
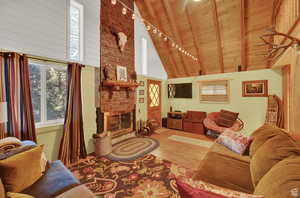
[(17, 195), (15, 151), (189, 188), (227, 118), (283, 180), (22, 170), (261, 135), (9, 143), (235, 141), (270, 153)]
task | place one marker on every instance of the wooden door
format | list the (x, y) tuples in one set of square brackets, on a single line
[(154, 100)]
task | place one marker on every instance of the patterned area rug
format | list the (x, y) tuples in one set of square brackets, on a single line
[(193, 141), (147, 177), (132, 148)]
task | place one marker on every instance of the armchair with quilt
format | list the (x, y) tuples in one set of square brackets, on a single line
[(193, 122)]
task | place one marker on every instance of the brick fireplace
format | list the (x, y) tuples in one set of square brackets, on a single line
[(116, 107)]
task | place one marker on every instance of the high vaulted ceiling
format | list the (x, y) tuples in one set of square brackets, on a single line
[(222, 34)]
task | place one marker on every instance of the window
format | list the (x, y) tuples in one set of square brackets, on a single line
[(49, 92), (144, 57), (76, 31), (214, 91)]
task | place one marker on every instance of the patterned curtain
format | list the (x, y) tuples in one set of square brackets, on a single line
[(15, 90), (72, 146)]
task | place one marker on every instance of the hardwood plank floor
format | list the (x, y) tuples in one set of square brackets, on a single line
[(185, 154)]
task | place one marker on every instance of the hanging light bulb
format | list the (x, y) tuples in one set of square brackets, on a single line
[(166, 38), (173, 44), (154, 30), (133, 16), (148, 27), (124, 11), (159, 34), (114, 2)]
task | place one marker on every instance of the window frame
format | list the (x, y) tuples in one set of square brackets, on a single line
[(74, 3), (43, 68), (217, 96)]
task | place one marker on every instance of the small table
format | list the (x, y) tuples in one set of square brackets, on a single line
[(175, 120)]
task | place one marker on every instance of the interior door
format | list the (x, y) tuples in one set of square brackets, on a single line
[(154, 100)]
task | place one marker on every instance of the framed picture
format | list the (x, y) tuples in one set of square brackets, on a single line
[(142, 83), (141, 92), (121, 73), (256, 88), (141, 100)]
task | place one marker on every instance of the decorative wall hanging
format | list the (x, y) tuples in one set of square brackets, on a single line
[(255, 88), (141, 92), (121, 73), (141, 100)]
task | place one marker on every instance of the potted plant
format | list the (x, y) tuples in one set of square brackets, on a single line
[(103, 145)]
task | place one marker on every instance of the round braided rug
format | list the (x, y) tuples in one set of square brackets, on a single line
[(132, 148)]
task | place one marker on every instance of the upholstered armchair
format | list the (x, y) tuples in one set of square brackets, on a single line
[(193, 122), (211, 119)]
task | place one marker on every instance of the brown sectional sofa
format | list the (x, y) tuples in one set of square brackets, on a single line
[(272, 167)]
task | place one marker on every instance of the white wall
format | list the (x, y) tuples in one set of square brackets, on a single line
[(155, 66), (252, 109), (39, 27)]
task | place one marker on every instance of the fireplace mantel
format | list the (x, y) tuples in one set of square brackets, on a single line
[(116, 85)]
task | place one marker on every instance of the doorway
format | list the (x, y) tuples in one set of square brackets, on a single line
[(154, 100)]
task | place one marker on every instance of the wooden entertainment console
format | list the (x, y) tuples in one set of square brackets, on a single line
[(175, 120)]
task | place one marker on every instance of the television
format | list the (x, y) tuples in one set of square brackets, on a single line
[(182, 90)]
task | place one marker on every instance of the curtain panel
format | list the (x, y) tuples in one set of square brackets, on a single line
[(72, 146), (15, 90)]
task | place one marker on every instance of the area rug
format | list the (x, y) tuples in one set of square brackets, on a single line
[(132, 148), (146, 177), (193, 141)]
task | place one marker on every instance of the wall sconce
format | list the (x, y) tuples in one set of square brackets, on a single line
[(3, 112)]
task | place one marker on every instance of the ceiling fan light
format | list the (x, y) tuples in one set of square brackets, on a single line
[(113, 2)]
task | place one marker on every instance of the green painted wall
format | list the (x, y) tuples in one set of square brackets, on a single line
[(50, 136), (252, 109)]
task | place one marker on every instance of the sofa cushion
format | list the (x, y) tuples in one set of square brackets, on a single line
[(22, 170), (225, 168), (2, 190), (17, 195), (261, 135), (56, 180), (283, 180), (227, 118), (81, 190), (270, 153)]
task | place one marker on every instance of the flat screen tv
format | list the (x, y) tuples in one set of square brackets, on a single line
[(182, 90)]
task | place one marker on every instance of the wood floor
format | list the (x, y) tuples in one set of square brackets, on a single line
[(187, 155)]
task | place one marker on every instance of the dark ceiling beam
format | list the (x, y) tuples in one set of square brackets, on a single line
[(243, 35), (218, 33), (153, 18), (174, 30), (188, 14)]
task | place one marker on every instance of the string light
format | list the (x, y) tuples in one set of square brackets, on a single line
[(114, 2), (155, 30), (124, 11)]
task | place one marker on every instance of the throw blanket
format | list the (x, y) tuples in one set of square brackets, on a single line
[(9, 143), (275, 113)]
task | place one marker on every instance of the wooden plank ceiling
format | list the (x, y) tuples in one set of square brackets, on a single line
[(222, 34)]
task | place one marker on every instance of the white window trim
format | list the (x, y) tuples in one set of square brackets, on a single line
[(43, 67), (81, 26)]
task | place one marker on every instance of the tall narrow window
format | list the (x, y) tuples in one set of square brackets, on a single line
[(76, 31), (144, 57)]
